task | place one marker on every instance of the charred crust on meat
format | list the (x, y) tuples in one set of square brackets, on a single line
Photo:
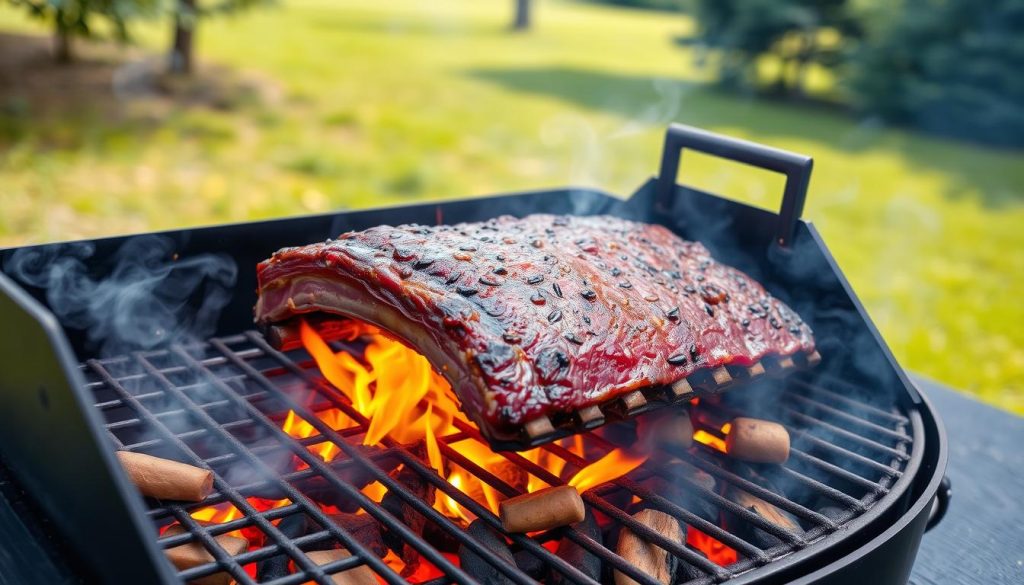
[(510, 326)]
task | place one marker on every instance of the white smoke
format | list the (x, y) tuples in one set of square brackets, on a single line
[(149, 298)]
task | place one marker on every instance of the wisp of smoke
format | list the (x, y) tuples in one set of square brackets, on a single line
[(148, 299)]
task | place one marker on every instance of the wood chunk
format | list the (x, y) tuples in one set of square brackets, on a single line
[(755, 370), (361, 575), (539, 427), (542, 510), (165, 479), (764, 509), (758, 441), (649, 558), (193, 554)]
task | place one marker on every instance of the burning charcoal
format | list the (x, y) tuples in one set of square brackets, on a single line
[(276, 566), (420, 489), (165, 479), (685, 572), (477, 567), (618, 497), (769, 512), (364, 528), (530, 564), (194, 554), (361, 575), (675, 486), (321, 490), (542, 510), (574, 554), (440, 538), (648, 557)]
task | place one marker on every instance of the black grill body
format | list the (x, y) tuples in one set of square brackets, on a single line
[(56, 444)]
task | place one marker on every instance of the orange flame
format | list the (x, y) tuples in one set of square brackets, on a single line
[(403, 398), (397, 390), (712, 440), (615, 463)]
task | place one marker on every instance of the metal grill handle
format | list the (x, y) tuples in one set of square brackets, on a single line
[(796, 167)]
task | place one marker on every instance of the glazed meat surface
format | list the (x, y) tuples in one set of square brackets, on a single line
[(539, 315)]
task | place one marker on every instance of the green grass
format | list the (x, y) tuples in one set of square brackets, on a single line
[(369, 102)]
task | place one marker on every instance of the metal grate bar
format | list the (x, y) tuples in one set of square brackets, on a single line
[(426, 473), (246, 381), (570, 532), (855, 420), (850, 436), (843, 452), (242, 504), (829, 491), (371, 507), (423, 508), (854, 404), (866, 484), (619, 515), (754, 489)]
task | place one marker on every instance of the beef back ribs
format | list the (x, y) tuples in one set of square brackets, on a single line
[(544, 315)]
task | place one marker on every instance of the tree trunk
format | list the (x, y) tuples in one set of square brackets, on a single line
[(184, 37), (61, 40), (522, 19)]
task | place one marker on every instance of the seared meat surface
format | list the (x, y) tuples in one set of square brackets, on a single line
[(540, 315)]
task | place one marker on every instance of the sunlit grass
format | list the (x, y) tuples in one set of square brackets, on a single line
[(366, 103)]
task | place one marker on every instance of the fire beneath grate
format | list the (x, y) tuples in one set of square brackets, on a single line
[(293, 477)]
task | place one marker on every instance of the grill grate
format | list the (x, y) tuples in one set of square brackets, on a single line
[(220, 405)]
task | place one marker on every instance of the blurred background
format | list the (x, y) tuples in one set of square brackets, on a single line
[(121, 116)]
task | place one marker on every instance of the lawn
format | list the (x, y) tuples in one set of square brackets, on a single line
[(333, 104)]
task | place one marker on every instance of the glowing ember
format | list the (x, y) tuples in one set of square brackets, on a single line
[(716, 552)]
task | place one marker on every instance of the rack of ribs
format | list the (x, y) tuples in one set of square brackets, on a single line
[(547, 324)]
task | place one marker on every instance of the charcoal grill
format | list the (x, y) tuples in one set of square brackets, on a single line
[(863, 481)]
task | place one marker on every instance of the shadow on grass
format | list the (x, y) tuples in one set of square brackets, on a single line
[(108, 94), (635, 97)]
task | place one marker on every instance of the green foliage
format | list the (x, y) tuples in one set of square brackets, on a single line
[(78, 17), (368, 103), (951, 67), (794, 31)]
